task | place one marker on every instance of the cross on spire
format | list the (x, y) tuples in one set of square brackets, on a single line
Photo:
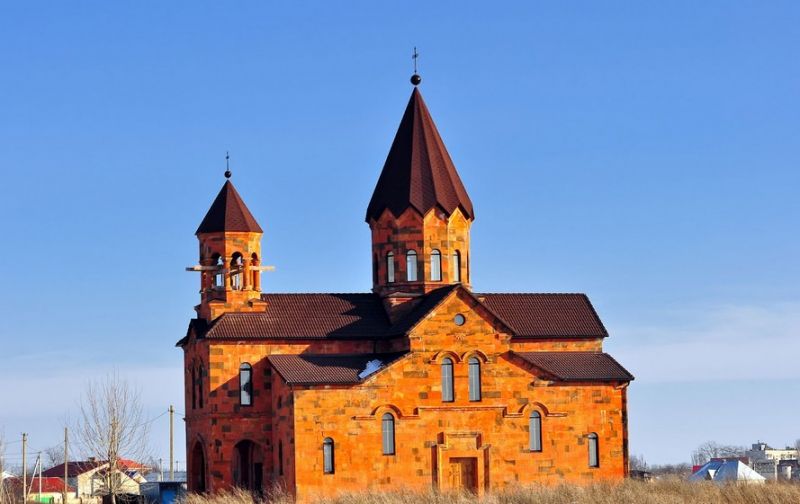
[(415, 79), (227, 165)]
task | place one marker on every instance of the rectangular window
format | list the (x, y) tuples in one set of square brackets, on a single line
[(456, 266), (535, 431), (447, 380), (390, 268)]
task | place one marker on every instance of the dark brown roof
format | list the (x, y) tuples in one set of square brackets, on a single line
[(546, 315), (228, 213), (577, 366), (74, 469), (326, 369), (418, 171), (307, 316), (362, 316)]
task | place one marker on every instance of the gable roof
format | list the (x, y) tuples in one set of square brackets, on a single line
[(577, 366), (307, 316), (74, 469), (546, 315), (49, 484), (308, 369), (228, 213), (363, 317), (418, 171)]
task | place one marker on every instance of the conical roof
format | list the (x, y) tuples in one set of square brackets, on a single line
[(228, 213), (418, 172)]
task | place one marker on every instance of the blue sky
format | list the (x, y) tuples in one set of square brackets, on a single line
[(645, 153)]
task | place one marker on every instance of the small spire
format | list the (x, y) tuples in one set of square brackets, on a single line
[(227, 165), (415, 79)]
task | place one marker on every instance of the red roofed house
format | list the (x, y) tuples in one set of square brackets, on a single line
[(421, 383), (88, 476), (47, 490)]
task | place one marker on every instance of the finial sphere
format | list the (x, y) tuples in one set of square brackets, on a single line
[(228, 174), (416, 79)]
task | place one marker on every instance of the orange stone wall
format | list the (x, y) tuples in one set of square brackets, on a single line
[(222, 422), (429, 433), (423, 234), (217, 300)]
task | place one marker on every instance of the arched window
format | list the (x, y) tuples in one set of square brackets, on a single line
[(474, 379), (219, 274), (594, 450), (447, 380), (411, 266), (387, 433), (246, 384), (535, 431), (327, 456), (237, 269), (456, 266), (390, 267), (200, 373), (436, 266)]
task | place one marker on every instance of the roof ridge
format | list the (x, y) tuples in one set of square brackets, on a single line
[(532, 293)]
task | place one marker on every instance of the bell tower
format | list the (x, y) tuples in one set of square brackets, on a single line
[(230, 257), (420, 214)]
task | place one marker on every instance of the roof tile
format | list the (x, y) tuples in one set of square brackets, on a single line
[(577, 366), (326, 369)]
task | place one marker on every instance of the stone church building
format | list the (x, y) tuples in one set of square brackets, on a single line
[(421, 383)]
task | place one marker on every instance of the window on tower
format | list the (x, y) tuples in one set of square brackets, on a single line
[(456, 266), (390, 267), (411, 266), (436, 266), (237, 270), (219, 273)]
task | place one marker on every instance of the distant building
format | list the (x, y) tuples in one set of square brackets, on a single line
[(727, 471), (772, 463), (88, 477)]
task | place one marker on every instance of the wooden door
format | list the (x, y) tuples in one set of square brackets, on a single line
[(464, 474)]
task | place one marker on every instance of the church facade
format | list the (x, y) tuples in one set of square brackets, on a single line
[(422, 383)]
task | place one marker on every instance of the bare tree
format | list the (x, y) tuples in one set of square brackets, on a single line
[(53, 456), (637, 463), (712, 449), (111, 426)]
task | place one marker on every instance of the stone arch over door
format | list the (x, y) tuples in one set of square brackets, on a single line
[(248, 466), (198, 468)]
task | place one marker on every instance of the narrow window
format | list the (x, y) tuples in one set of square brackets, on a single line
[(219, 273), (594, 451), (387, 432), (411, 266), (535, 431), (246, 384), (194, 388), (447, 380), (255, 281), (327, 456), (390, 267), (200, 386), (456, 260), (375, 269), (436, 266), (474, 379), (280, 458), (237, 270)]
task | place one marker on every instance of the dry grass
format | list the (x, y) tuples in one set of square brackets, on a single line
[(629, 492)]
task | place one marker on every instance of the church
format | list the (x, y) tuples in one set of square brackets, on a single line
[(420, 384)]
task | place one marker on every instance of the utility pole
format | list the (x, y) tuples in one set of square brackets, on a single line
[(24, 467), (171, 443), (66, 464), (39, 463)]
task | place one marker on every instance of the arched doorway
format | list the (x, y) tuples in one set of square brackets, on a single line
[(248, 466), (198, 468)]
